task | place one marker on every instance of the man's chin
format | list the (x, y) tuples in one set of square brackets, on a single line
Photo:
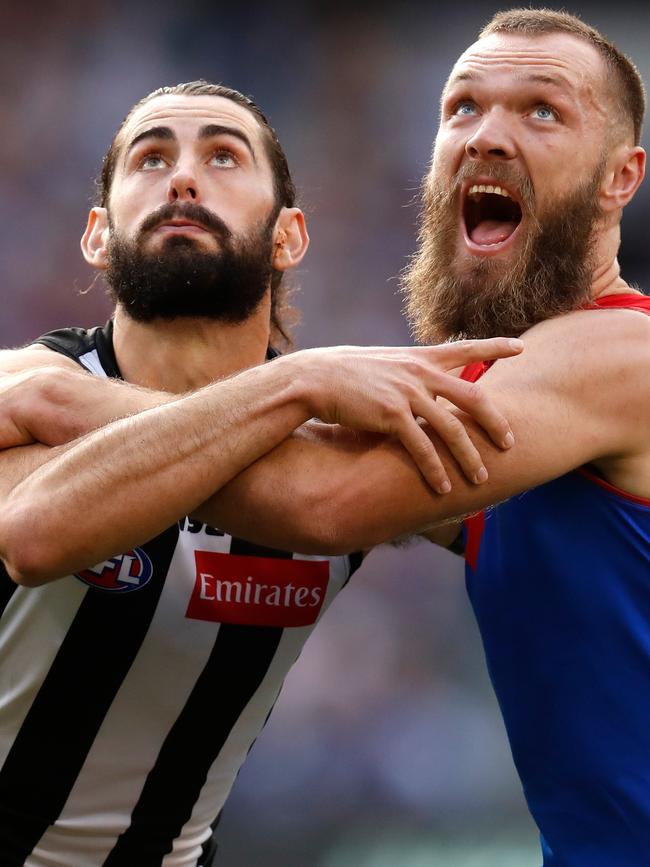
[(468, 268)]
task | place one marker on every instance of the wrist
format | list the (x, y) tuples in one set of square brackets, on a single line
[(302, 381)]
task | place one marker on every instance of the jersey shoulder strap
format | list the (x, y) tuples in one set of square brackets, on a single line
[(623, 300), (92, 348)]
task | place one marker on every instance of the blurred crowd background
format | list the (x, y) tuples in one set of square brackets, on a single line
[(386, 748)]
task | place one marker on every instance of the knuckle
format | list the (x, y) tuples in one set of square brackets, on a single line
[(413, 366), (474, 393), (411, 390), (424, 449), (454, 430), (393, 413)]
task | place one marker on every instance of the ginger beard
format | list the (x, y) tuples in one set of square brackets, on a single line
[(181, 279), (452, 293)]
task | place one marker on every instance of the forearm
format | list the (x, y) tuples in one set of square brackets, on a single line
[(328, 495), (316, 495), (129, 480)]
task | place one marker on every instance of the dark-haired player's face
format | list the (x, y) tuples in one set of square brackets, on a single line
[(191, 216), (202, 150)]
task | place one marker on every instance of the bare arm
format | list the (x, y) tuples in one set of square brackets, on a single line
[(153, 467), (576, 395), (74, 505)]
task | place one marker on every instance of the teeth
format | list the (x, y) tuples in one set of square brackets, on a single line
[(488, 188)]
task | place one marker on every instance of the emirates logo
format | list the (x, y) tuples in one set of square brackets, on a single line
[(257, 591)]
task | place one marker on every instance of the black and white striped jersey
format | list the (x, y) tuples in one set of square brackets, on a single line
[(131, 692)]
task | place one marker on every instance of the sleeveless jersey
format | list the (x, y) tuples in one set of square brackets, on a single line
[(559, 579), (131, 692)]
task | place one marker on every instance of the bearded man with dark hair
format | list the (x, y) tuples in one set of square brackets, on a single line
[(142, 647)]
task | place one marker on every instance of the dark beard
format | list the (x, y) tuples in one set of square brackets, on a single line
[(550, 275), (182, 280)]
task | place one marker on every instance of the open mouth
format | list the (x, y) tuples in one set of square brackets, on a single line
[(491, 215)]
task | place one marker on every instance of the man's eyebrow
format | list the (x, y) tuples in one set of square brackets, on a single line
[(537, 77), (461, 76), (554, 80), (155, 132), (214, 129)]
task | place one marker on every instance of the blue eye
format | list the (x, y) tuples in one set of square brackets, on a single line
[(544, 112), (466, 108), (224, 159), (152, 161)]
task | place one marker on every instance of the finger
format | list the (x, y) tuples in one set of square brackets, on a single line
[(472, 399), (463, 352), (454, 434), (424, 454)]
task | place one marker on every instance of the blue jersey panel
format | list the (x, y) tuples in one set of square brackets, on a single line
[(561, 591)]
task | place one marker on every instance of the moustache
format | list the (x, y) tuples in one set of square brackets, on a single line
[(186, 211), (500, 172)]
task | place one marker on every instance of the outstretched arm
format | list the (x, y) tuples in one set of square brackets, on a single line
[(153, 467), (578, 394)]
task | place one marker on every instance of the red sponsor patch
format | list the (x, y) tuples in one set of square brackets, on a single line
[(257, 591)]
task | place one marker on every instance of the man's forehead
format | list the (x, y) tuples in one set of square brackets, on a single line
[(180, 111), (569, 60)]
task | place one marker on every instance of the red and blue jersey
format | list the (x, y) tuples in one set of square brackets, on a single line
[(559, 579)]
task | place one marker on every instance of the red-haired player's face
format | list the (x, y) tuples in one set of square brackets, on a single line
[(519, 111)]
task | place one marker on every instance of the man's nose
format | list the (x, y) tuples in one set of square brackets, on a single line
[(183, 186), (491, 140)]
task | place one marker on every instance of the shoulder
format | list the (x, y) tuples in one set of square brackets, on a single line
[(588, 371), (579, 347), (32, 357)]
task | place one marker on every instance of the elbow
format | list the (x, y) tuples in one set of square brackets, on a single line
[(23, 577), (27, 558), (23, 571)]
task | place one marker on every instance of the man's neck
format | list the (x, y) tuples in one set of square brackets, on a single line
[(184, 354), (607, 278)]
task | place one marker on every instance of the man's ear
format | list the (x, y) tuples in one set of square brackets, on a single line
[(623, 174), (290, 239), (94, 241)]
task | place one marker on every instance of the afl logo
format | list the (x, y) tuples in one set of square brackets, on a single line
[(120, 574)]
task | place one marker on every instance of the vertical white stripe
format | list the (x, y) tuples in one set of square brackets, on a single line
[(149, 700), (235, 749), (33, 627)]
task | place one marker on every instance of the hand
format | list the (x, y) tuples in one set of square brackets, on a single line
[(387, 389)]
